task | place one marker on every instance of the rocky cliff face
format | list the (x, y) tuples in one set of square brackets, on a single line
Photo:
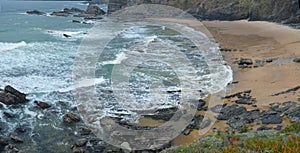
[(285, 11)]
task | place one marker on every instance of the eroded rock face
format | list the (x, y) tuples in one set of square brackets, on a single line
[(271, 10)]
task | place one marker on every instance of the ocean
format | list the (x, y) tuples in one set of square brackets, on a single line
[(38, 60)]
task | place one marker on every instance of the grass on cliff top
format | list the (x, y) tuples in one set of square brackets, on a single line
[(286, 141)]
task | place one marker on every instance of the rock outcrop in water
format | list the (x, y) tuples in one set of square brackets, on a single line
[(36, 12), (286, 11), (11, 96)]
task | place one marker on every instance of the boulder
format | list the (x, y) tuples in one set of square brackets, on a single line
[(67, 36), (186, 132), (36, 12), (42, 105), (245, 61), (196, 122), (93, 9), (12, 96), (296, 60), (71, 118), (76, 21), (81, 142)]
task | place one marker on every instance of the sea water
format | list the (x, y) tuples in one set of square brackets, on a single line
[(38, 60)]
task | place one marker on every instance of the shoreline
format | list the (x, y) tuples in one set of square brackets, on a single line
[(274, 44)]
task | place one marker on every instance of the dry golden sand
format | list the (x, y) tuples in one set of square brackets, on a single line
[(258, 41)]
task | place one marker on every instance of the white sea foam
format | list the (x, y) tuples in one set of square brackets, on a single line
[(120, 57), (84, 83), (60, 34), (7, 46)]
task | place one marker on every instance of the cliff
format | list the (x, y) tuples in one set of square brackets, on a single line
[(284, 11)]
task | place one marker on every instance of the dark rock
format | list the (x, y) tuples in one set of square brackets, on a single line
[(21, 130), (239, 121), (163, 114), (71, 118), (269, 60), (36, 12), (3, 141), (230, 111), (81, 142), (245, 101), (93, 9), (93, 18), (287, 91), (73, 10), (270, 117), (201, 104), (67, 36), (16, 138), (245, 61), (296, 60), (281, 108), (42, 105), (60, 13), (85, 131), (78, 150), (278, 128), (196, 122), (294, 114), (186, 132), (76, 21), (263, 128), (9, 115), (12, 96)]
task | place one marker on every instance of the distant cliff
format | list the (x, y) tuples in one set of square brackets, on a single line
[(284, 11)]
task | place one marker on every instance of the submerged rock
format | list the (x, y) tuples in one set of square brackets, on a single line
[(3, 141), (16, 138)]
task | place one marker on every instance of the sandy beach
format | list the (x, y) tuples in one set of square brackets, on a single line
[(264, 41)]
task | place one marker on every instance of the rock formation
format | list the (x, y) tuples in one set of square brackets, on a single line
[(284, 11)]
